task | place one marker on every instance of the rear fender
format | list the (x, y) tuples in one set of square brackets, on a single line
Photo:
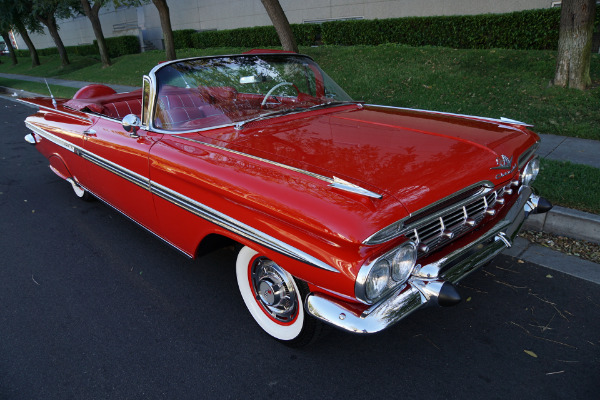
[(58, 166)]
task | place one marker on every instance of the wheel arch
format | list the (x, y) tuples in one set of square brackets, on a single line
[(311, 275), (59, 167), (215, 241)]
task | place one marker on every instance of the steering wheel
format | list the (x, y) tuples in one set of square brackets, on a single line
[(264, 101)]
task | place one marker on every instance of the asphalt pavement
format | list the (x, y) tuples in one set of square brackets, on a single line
[(93, 307)]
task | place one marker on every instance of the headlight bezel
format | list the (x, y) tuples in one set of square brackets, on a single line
[(378, 279), (408, 251), (367, 273)]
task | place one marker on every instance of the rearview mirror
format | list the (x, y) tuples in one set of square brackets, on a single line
[(252, 79)]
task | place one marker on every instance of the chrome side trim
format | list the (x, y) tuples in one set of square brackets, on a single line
[(117, 170), (239, 153), (53, 138), (102, 162), (237, 227), (193, 206), (502, 120), (333, 182)]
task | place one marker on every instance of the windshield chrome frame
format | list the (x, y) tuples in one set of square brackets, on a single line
[(153, 98)]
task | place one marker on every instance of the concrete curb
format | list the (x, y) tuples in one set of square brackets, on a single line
[(554, 260), (567, 222)]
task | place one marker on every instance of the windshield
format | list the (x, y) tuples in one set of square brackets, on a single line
[(206, 92)]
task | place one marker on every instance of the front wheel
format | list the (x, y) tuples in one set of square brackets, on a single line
[(275, 299)]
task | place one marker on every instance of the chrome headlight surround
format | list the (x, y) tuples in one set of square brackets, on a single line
[(385, 273), (530, 171), (378, 279), (404, 262)]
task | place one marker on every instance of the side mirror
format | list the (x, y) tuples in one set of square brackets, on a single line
[(131, 123)]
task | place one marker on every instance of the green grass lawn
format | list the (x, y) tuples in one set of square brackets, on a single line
[(570, 185)]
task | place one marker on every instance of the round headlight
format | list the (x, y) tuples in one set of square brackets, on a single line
[(404, 261), (531, 171), (377, 280)]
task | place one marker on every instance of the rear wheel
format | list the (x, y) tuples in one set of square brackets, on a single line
[(275, 299)]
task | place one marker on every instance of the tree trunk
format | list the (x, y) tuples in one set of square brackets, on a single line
[(10, 47), (50, 23), (575, 44), (165, 24), (281, 24), (35, 60), (92, 13)]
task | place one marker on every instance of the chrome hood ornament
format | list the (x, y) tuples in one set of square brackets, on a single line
[(503, 162)]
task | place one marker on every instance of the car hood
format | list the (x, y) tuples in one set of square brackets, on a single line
[(414, 156)]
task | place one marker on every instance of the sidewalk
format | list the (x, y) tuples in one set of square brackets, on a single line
[(561, 221), (563, 148)]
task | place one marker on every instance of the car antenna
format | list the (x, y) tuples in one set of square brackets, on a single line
[(52, 96)]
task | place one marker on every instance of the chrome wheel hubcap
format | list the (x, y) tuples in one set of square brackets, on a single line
[(274, 290)]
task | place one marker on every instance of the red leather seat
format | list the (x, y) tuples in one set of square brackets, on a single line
[(175, 117), (172, 101), (122, 108)]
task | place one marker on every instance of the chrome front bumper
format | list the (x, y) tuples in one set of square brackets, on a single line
[(425, 285)]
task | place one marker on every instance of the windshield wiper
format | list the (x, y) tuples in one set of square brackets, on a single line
[(241, 124), (333, 104)]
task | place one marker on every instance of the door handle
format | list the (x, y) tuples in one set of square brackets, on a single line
[(89, 132)]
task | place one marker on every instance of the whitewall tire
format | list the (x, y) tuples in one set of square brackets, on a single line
[(275, 299)]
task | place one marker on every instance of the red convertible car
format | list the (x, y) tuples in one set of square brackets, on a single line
[(344, 213)]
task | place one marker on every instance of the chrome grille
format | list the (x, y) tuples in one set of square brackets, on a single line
[(434, 231)]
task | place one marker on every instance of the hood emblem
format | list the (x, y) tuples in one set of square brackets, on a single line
[(503, 162)]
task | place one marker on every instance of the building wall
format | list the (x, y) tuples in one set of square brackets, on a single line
[(144, 22)]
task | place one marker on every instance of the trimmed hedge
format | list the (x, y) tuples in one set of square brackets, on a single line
[(183, 38), (117, 46), (81, 50), (260, 36), (121, 45), (526, 30)]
